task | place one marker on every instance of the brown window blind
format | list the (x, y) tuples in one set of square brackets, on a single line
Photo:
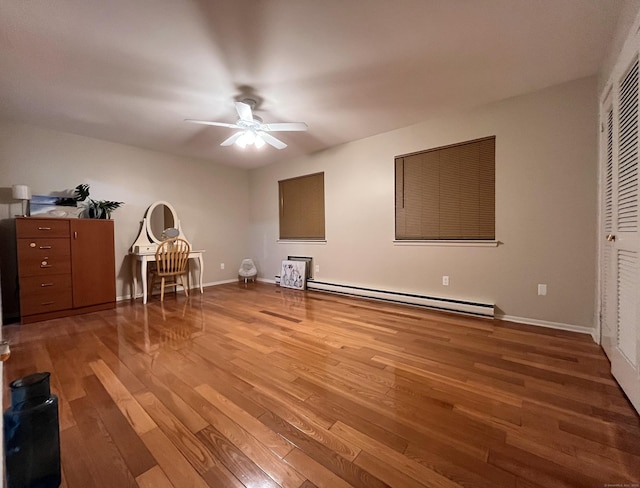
[(447, 192), (302, 207)]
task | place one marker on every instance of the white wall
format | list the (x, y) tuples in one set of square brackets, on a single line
[(546, 194), (212, 201), (546, 179)]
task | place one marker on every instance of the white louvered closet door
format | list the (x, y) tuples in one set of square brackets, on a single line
[(620, 258), (608, 301)]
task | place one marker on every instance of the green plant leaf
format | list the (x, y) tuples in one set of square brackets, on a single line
[(105, 206), (108, 205), (81, 192)]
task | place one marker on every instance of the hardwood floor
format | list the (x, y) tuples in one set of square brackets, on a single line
[(260, 386)]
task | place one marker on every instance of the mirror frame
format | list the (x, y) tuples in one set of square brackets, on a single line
[(147, 242), (147, 215)]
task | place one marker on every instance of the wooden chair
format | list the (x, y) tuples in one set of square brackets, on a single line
[(172, 257)]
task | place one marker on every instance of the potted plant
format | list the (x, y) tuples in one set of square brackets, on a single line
[(94, 209)]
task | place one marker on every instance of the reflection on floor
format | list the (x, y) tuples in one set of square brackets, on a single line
[(263, 386)]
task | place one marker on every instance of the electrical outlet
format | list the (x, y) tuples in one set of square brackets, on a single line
[(221, 265), (542, 289), (317, 268), (445, 280)]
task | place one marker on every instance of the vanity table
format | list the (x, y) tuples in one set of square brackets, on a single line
[(160, 222)]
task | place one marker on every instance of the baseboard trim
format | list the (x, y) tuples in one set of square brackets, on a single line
[(404, 297), (216, 283), (425, 301), (548, 324), (204, 285)]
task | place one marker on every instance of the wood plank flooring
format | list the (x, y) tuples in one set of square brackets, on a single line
[(259, 386)]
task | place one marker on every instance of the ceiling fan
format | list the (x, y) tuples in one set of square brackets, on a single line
[(251, 129)]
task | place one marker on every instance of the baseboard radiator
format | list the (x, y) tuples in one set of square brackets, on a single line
[(436, 303)]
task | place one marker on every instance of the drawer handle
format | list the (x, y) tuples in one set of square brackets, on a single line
[(45, 247), (47, 303), (46, 284), (44, 228), (45, 265)]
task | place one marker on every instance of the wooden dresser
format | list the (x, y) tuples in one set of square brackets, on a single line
[(65, 267)]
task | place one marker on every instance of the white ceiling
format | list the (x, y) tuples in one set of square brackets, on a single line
[(130, 71)]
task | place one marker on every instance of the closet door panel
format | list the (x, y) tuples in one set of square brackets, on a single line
[(620, 227)]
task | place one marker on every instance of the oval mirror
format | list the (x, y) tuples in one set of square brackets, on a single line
[(161, 221)]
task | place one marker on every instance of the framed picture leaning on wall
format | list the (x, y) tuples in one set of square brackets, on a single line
[(293, 274)]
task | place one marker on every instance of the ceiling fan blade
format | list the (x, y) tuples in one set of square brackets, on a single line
[(269, 139), (285, 126), (232, 139), (244, 111), (217, 124)]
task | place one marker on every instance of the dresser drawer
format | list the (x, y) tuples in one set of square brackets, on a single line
[(42, 257), (40, 249), (31, 286), (30, 227), (46, 267), (33, 304)]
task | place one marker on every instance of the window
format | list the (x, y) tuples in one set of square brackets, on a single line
[(447, 193), (302, 207)]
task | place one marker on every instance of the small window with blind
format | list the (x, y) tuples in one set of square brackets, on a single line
[(447, 193), (302, 207)]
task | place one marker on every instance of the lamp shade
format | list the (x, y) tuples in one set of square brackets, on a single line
[(21, 192)]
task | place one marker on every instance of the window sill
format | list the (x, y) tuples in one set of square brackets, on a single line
[(445, 243), (301, 241)]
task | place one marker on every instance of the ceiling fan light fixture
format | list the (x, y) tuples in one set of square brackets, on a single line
[(249, 138), (252, 131), (240, 142), (246, 139)]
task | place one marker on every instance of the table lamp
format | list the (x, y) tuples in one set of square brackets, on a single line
[(22, 193)]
